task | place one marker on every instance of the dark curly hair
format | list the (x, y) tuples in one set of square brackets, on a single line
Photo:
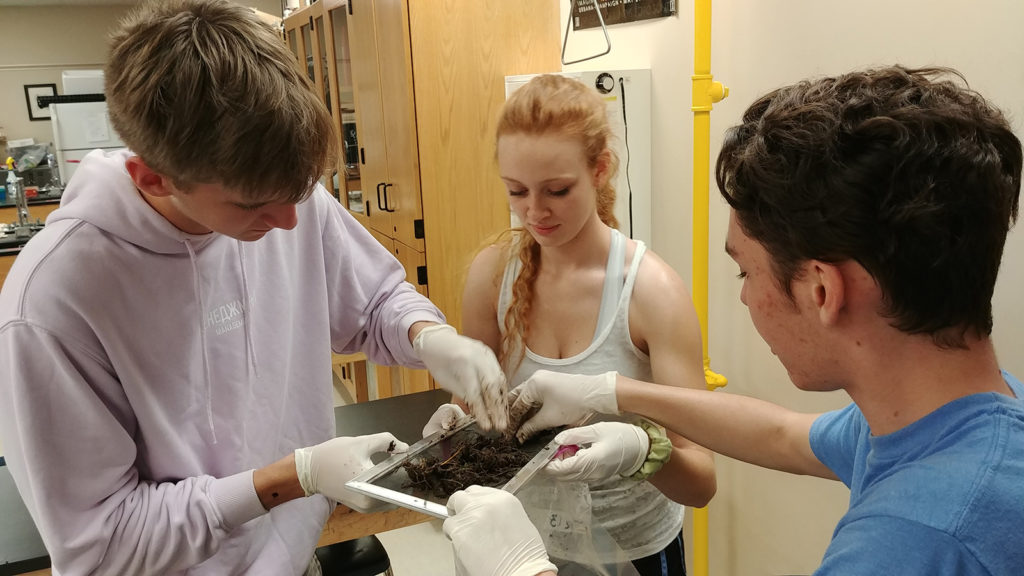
[(907, 172)]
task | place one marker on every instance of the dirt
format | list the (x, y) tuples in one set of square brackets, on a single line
[(482, 460)]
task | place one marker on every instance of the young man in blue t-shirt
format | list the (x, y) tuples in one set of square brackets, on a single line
[(868, 217)]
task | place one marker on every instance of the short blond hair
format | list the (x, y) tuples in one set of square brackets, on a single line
[(205, 92)]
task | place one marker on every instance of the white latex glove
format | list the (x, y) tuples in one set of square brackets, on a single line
[(444, 418), (562, 399), (610, 449), (324, 468), (492, 536), (467, 368)]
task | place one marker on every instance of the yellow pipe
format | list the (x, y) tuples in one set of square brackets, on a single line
[(704, 94)]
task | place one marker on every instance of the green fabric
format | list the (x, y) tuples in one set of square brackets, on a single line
[(658, 453)]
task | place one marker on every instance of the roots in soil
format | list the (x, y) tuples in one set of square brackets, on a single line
[(476, 460)]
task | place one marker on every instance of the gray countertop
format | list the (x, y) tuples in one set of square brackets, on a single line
[(403, 416)]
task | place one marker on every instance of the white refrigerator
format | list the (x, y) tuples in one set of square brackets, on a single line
[(80, 128)]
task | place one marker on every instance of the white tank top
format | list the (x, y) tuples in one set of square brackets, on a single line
[(638, 516)]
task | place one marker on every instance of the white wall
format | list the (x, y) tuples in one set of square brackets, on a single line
[(766, 522), (37, 43)]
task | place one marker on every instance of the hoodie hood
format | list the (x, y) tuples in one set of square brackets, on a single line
[(103, 194)]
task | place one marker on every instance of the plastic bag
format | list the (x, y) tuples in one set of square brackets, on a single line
[(561, 511), (28, 157)]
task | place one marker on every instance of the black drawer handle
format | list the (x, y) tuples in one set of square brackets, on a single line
[(387, 205)]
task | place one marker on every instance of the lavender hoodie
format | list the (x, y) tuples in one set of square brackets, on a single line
[(145, 372)]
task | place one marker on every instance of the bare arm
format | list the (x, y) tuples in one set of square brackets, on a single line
[(662, 316), (480, 297), (740, 427), (277, 483), (480, 301)]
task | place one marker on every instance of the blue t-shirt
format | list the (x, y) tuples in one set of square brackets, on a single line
[(942, 496)]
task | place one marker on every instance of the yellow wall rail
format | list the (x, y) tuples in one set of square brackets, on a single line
[(706, 91)]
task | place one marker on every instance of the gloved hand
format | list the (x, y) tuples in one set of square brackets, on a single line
[(615, 449), (324, 468), (492, 535), (467, 368), (562, 399), (444, 418)]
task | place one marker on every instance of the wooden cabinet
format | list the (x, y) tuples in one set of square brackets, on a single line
[(386, 118), (5, 267), (426, 82), (311, 40), (394, 380)]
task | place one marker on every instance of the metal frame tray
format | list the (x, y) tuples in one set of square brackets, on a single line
[(388, 480)]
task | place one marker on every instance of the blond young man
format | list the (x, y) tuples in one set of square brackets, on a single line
[(165, 341)]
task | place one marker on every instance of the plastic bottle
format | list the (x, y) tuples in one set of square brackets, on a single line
[(12, 182), (12, 179), (16, 189), (3, 154), (11, 189)]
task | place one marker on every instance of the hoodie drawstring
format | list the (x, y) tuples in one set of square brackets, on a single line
[(250, 350), (197, 288)]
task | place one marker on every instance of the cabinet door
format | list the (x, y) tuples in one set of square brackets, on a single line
[(393, 380), (373, 160), (386, 118), (310, 40), (397, 101), (291, 38), (461, 58), (307, 63), (385, 241), (348, 184), (327, 88)]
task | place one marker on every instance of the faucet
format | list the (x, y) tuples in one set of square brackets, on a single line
[(16, 188), (51, 162), (20, 202)]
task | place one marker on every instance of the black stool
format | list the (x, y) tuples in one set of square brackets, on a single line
[(364, 556)]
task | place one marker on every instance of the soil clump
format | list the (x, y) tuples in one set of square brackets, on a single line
[(482, 460)]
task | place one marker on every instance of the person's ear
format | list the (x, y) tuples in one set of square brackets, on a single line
[(602, 168), (828, 291), (146, 179)]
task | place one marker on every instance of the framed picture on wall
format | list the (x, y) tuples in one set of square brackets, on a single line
[(32, 91)]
